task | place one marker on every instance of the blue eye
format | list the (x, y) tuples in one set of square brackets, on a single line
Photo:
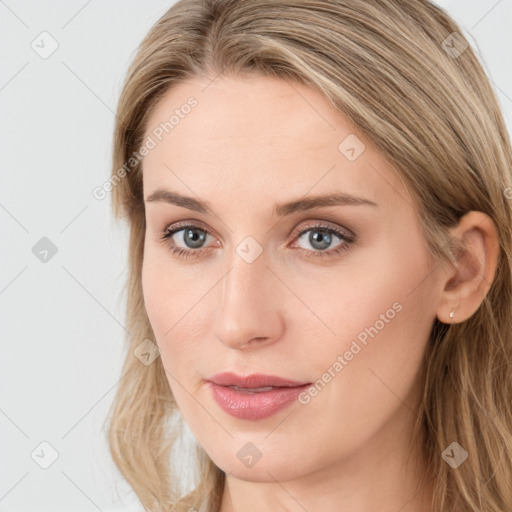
[(190, 236), (320, 237)]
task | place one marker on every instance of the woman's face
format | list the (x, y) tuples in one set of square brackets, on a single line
[(341, 295)]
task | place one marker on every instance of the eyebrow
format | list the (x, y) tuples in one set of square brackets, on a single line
[(281, 209)]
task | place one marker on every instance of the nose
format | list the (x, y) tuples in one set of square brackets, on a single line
[(248, 314)]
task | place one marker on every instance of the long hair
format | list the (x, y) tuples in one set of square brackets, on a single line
[(404, 74)]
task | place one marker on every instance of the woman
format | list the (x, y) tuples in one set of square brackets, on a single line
[(318, 195)]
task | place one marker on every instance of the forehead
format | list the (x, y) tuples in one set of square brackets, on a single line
[(259, 134)]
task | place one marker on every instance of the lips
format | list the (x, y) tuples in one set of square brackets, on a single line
[(254, 381), (256, 396)]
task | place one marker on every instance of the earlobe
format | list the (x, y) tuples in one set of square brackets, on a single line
[(467, 284)]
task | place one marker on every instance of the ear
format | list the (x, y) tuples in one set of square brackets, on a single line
[(466, 285)]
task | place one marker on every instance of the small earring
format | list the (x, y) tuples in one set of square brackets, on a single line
[(452, 313)]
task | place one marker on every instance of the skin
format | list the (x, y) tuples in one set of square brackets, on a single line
[(250, 143)]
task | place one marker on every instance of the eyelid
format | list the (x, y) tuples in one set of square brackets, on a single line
[(314, 223), (176, 226), (319, 223)]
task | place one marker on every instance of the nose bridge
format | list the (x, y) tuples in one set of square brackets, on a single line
[(246, 307)]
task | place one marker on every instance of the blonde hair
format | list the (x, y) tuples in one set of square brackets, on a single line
[(402, 72)]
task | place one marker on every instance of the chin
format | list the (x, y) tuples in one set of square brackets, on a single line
[(244, 461)]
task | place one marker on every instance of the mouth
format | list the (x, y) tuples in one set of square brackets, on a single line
[(253, 390), (255, 381), (256, 396)]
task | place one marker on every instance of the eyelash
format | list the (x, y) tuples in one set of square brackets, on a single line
[(347, 240)]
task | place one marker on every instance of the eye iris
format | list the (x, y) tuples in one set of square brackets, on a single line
[(191, 237), (320, 237)]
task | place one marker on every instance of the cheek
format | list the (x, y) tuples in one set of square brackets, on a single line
[(155, 293), (382, 320), (174, 309), (380, 288), (166, 296)]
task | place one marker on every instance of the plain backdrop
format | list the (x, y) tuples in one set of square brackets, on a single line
[(63, 259)]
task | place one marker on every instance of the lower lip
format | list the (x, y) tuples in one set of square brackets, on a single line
[(254, 406)]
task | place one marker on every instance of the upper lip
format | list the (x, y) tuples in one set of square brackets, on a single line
[(256, 380)]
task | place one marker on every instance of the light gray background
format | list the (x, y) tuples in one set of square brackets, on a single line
[(62, 330)]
